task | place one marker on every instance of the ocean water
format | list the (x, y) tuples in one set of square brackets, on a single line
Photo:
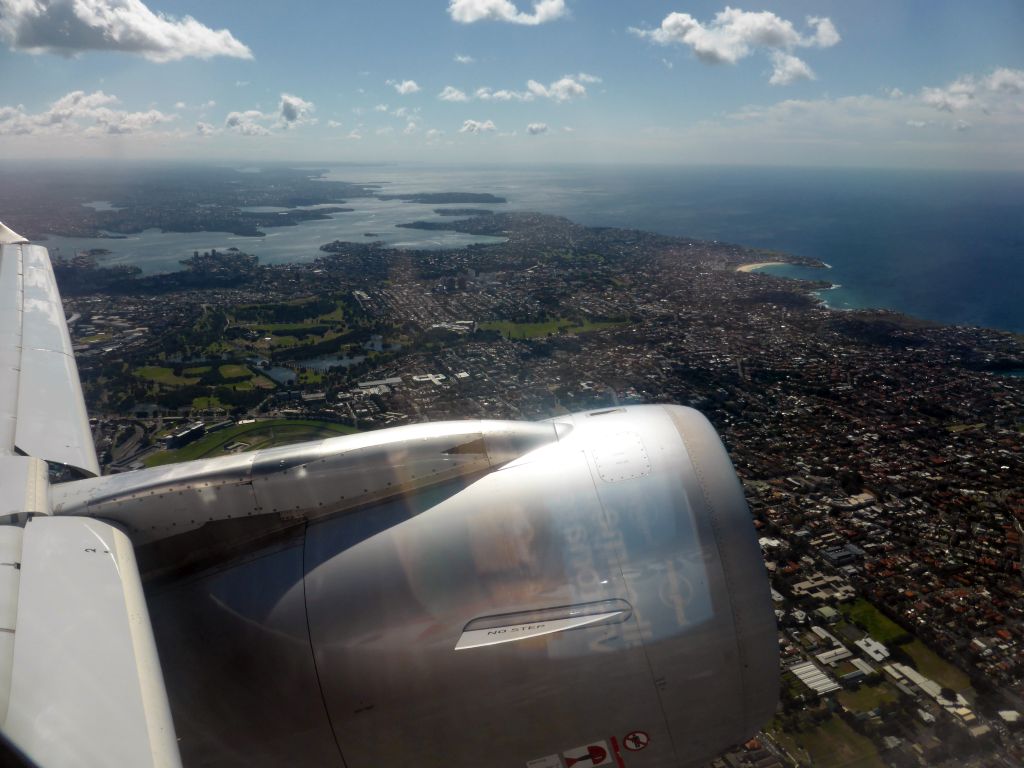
[(947, 246)]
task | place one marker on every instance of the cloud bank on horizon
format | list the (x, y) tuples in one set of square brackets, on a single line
[(69, 27), (967, 91)]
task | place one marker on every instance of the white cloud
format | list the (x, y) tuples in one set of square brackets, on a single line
[(1005, 80), (470, 11), (787, 68), (354, 134), (242, 83), (735, 34), (463, 59), (433, 134), (957, 95), (380, 108), (917, 123), (486, 94), (132, 122), (565, 89), (81, 113), (68, 27), (80, 102), (334, 124), (293, 111), (404, 87), (205, 129), (451, 93), (536, 129), (387, 130), (179, 105), (568, 129), (825, 35), (991, 93), (962, 125), (477, 126), (248, 123), (411, 127), (894, 93)]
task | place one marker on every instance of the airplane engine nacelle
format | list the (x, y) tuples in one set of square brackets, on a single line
[(599, 600)]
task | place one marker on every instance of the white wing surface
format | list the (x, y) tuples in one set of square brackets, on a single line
[(86, 688), (80, 681), (42, 413)]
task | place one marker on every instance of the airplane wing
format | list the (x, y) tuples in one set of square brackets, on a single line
[(80, 680), (42, 412), (582, 591)]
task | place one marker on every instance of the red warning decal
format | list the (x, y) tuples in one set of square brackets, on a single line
[(590, 755), (634, 741)]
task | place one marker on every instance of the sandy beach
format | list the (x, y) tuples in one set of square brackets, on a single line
[(758, 265)]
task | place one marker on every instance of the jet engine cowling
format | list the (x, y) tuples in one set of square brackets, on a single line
[(599, 599)]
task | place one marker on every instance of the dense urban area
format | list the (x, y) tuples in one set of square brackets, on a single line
[(881, 455)]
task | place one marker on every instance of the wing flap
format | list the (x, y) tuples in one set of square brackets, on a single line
[(46, 405)]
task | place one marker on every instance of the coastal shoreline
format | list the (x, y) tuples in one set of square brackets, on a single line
[(759, 265)]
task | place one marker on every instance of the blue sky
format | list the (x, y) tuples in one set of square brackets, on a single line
[(873, 82)]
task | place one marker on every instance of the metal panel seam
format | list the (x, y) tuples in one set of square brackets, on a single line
[(312, 652), (727, 571), (591, 464)]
